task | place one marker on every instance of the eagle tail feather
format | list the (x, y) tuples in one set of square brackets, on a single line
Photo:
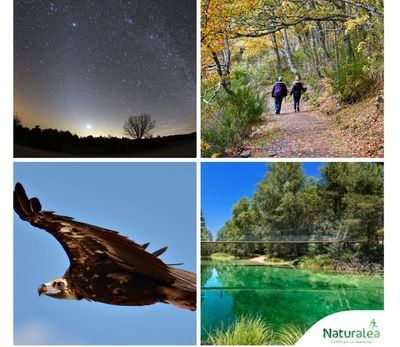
[(184, 279), (180, 298), (182, 293)]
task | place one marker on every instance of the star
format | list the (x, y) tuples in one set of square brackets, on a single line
[(109, 56)]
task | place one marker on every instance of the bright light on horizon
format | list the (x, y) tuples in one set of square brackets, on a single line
[(89, 126)]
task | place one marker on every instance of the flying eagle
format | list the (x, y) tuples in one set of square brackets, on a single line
[(106, 266)]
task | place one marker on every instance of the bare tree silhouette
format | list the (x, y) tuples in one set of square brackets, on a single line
[(138, 127)]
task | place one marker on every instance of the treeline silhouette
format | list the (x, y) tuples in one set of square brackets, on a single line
[(64, 141)]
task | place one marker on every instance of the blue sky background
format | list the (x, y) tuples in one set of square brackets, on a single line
[(223, 184), (148, 202)]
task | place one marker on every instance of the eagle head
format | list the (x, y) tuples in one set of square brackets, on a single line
[(57, 288)]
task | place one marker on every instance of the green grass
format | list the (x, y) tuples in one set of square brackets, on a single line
[(317, 262), (246, 331), (277, 261), (222, 256), (249, 330), (289, 335)]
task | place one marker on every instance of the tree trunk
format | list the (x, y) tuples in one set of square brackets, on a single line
[(223, 69), (226, 67), (315, 54), (288, 53), (349, 47), (337, 57), (321, 39), (277, 54)]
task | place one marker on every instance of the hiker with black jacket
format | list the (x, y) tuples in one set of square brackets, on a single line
[(279, 91), (297, 90)]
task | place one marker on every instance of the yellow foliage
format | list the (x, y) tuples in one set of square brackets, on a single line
[(352, 24), (218, 20)]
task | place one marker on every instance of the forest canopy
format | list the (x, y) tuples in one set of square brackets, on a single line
[(316, 37), (345, 203)]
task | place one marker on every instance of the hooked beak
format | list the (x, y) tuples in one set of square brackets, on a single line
[(47, 289), (42, 289)]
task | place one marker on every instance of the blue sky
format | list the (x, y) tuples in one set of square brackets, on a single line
[(148, 202), (223, 184)]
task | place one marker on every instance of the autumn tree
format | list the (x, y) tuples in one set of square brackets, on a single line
[(218, 17), (322, 29)]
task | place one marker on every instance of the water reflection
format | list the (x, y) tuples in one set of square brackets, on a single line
[(282, 295)]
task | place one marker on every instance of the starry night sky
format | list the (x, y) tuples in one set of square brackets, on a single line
[(86, 65)]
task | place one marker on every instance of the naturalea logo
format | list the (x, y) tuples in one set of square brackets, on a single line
[(371, 333)]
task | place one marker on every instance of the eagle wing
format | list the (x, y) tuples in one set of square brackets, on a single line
[(87, 244)]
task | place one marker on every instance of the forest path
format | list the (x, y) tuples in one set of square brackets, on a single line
[(303, 134)]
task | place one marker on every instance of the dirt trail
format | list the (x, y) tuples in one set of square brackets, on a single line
[(260, 259), (298, 135)]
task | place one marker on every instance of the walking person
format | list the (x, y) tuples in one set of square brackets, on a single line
[(279, 92), (297, 90)]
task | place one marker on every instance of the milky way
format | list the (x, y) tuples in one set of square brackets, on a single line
[(97, 62)]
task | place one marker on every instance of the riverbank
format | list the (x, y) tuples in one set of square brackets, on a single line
[(319, 262)]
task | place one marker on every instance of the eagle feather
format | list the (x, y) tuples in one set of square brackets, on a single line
[(101, 258)]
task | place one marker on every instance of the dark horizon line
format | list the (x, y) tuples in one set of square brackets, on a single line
[(109, 136)]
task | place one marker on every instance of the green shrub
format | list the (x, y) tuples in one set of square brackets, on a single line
[(354, 81), (239, 77), (237, 114), (323, 261)]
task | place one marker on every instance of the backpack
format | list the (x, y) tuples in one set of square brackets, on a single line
[(278, 90)]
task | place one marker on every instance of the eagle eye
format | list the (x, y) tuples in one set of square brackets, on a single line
[(58, 284)]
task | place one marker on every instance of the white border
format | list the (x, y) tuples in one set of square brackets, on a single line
[(198, 168), (6, 172), (392, 170)]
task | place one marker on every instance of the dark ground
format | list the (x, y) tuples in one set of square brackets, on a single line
[(178, 148)]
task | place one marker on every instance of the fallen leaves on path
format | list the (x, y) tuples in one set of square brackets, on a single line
[(303, 134)]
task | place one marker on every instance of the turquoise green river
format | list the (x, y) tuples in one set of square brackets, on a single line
[(281, 295)]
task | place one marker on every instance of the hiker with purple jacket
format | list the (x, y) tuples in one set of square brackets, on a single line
[(279, 91)]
